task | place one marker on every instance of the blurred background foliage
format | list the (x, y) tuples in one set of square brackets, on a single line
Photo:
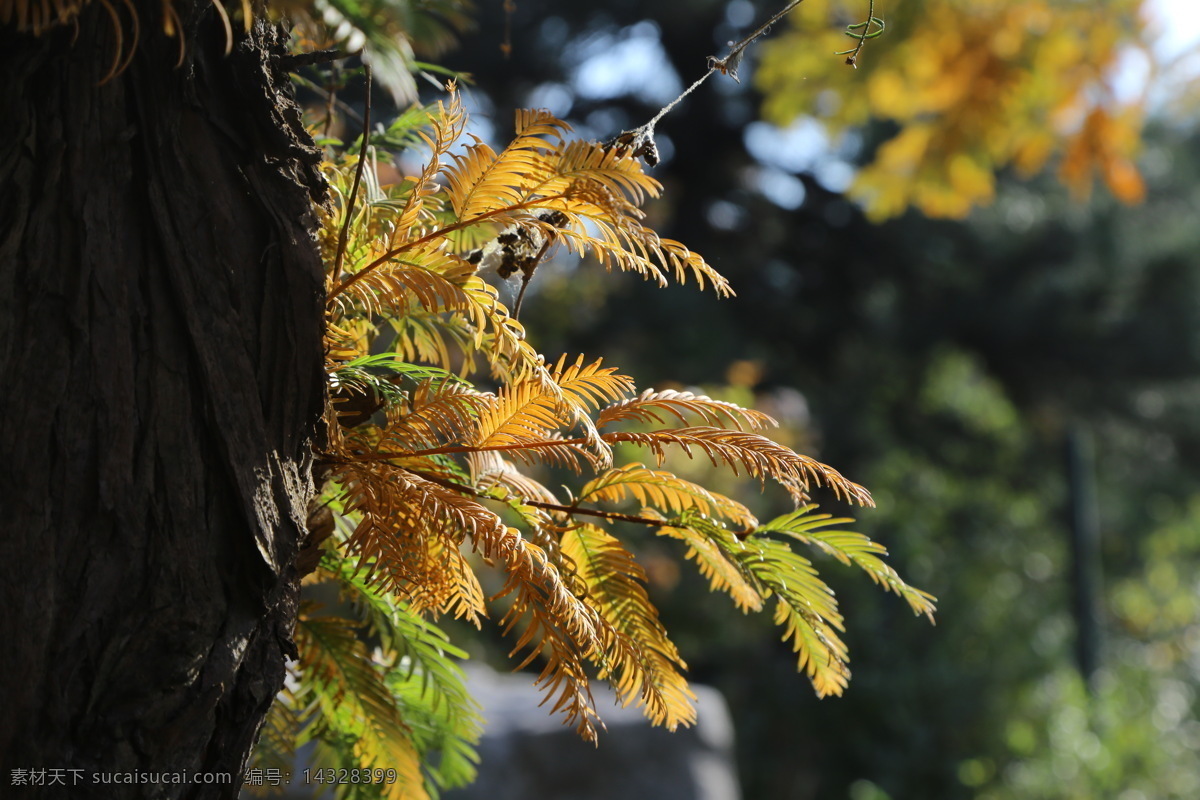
[(962, 267)]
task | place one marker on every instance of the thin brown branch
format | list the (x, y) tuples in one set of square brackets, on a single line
[(440, 232), (329, 97), (569, 510), (294, 61), (729, 64), (641, 139), (452, 449), (595, 512), (527, 276), (510, 8), (862, 36), (358, 171)]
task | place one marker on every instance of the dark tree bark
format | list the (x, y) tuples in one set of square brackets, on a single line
[(160, 390)]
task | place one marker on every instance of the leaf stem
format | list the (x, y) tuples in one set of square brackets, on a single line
[(735, 54), (864, 34), (451, 449), (440, 232), (569, 510), (641, 139), (325, 94), (358, 171)]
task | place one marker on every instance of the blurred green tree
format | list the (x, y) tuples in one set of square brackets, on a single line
[(941, 362)]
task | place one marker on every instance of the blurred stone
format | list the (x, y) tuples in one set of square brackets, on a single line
[(528, 754)]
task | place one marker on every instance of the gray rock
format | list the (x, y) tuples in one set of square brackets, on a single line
[(527, 754)]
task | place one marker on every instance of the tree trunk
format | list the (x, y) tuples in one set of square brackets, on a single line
[(160, 390)]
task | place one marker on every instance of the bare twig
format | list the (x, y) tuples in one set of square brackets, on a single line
[(329, 97), (640, 140), (729, 64), (510, 8), (358, 171), (292, 62), (862, 31), (527, 276), (569, 510), (384, 455), (462, 223)]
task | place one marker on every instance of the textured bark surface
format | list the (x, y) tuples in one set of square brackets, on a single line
[(160, 388)]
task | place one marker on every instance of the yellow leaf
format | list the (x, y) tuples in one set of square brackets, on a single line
[(973, 86)]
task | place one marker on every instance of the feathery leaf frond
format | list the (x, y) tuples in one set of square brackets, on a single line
[(524, 412), (560, 627), (493, 473), (645, 663), (707, 546), (433, 413), (399, 284), (659, 407), (664, 491), (423, 563), (761, 457), (592, 384), (349, 690), (805, 605), (440, 714), (849, 547), (390, 32)]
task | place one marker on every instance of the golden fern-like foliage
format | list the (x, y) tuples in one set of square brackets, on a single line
[(351, 696), (431, 481), (394, 714), (644, 665)]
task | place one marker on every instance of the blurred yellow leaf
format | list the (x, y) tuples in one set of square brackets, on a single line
[(974, 86), (1104, 144)]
